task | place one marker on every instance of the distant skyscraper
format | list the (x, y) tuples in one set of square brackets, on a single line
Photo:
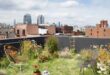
[(40, 19), (27, 19), (14, 22), (59, 24)]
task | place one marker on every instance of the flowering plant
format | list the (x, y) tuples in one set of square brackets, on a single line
[(103, 69), (103, 64), (101, 57)]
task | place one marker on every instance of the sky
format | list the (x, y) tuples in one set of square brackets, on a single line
[(72, 12)]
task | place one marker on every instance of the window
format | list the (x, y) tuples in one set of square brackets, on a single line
[(91, 34), (23, 33), (91, 30), (7, 33), (104, 30), (97, 32), (17, 32)]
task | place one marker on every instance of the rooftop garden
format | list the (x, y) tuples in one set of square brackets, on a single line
[(32, 59)]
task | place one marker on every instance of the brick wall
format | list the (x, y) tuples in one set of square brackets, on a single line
[(23, 30), (51, 30), (100, 31), (32, 30)]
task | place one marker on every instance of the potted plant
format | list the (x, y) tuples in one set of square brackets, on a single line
[(36, 71)]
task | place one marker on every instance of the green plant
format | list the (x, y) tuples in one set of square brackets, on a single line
[(88, 54), (103, 64), (35, 51), (52, 44), (73, 51), (4, 62), (29, 51), (55, 55), (44, 56)]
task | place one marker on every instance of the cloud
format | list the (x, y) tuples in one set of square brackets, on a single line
[(74, 12), (7, 5), (22, 5), (30, 4), (70, 3)]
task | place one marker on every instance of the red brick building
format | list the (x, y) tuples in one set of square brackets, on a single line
[(23, 30), (67, 29), (100, 31), (51, 30)]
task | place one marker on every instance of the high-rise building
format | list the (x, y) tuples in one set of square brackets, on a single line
[(14, 22), (27, 19), (40, 19)]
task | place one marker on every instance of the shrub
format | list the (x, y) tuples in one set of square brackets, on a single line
[(29, 51), (104, 56), (25, 47), (55, 55), (52, 44), (44, 56), (24, 53), (36, 51), (99, 60), (4, 62), (88, 54), (103, 64)]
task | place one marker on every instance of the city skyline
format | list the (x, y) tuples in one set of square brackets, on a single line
[(73, 12)]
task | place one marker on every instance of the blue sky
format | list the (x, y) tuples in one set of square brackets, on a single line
[(73, 12)]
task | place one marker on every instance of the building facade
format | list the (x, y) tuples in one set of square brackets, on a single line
[(25, 30), (51, 30), (101, 30), (67, 29)]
